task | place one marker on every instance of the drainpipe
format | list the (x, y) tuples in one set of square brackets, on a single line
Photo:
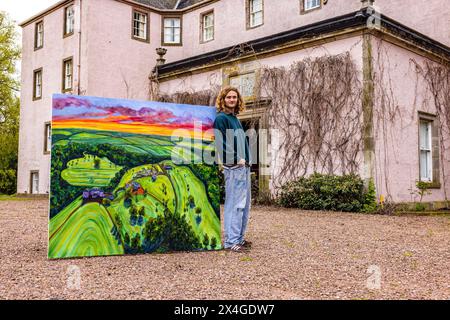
[(79, 49)]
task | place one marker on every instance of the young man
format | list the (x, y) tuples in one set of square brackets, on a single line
[(234, 154)]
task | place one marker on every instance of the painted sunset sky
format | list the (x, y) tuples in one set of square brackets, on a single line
[(131, 116)]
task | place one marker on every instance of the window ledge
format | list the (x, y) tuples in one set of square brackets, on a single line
[(68, 35), (141, 39)]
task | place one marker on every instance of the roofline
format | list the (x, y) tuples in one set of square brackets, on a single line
[(62, 3), (45, 12), (357, 19)]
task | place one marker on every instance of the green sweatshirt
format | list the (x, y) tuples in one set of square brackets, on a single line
[(230, 153)]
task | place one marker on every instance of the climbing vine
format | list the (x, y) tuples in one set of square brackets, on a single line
[(437, 78), (316, 106), (202, 98)]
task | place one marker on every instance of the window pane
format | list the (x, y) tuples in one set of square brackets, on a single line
[(425, 135), (426, 170), (140, 25), (209, 20), (311, 4), (70, 19), (169, 37), (68, 74), (256, 5), (425, 166), (38, 84), (35, 182), (172, 22), (256, 19), (209, 34), (172, 35), (48, 137), (39, 34), (208, 27)]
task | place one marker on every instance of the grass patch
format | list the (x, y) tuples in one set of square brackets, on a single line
[(5, 197), (438, 213), (246, 259), (407, 254)]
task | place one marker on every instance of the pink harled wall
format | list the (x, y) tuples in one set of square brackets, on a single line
[(118, 66), (202, 81), (111, 64), (34, 114), (230, 22), (430, 17), (400, 94), (396, 124)]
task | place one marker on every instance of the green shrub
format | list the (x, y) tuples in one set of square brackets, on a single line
[(328, 192), (420, 207), (370, 198), (423, 189), (8, 180)]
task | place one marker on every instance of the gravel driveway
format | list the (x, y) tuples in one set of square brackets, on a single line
[(296, 255)]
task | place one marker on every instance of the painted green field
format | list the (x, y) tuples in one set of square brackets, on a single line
[(115, 222), (85, 172), (186, 185), (84, 231), (179, 183), (185, 149)]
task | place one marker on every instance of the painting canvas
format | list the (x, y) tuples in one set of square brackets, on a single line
[(131, 177)]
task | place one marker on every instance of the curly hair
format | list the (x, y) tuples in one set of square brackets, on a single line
[(220, 102)]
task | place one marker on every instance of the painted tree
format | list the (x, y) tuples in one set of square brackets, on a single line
[(9, 105), (213, 242), (97, 163), (141, 211), (206, 240)]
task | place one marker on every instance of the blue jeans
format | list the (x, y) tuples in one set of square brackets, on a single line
[(237, 204)]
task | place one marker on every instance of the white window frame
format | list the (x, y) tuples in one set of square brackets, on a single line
[(425, 148), (312, 4), (34, 179), (37, 77), (208, 29), (48, 138), (68, 74), (140, 25), (254, 12), (171, 31), (39, 35), (69, 20), (245, 83)]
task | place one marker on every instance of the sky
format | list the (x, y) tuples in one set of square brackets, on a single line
[(21, 10), (142, 117)]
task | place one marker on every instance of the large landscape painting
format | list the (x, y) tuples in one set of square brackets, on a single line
[(127, 177)]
